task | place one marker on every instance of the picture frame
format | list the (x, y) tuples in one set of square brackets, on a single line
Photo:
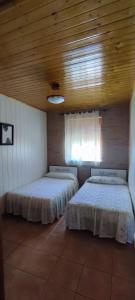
[(6, 134)]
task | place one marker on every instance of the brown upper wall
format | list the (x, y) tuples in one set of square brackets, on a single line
[(115, 137)]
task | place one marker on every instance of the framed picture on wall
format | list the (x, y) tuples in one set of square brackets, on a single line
[(6, 134)]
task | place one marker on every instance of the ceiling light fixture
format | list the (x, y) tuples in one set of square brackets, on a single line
[(55, 99)]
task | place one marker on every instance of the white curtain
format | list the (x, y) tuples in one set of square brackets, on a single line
[(83, 137)]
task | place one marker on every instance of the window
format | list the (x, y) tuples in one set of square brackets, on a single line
[(83, 137)]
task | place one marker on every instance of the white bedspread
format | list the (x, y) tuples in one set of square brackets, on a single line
[(42, 200), (106, 210)]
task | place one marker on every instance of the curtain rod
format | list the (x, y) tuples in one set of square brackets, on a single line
[(83, 111)]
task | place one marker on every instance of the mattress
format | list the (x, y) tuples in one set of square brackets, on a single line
[(104, 209), (42, 200)]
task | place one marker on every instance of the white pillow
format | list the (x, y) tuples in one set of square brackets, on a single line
[(60, 175), (107, 180)]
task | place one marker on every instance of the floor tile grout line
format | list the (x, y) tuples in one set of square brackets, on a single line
[(85, 297), (22, 244), (111, 288), (125, 278), (120, 275), (68, 289), (82, 265), (72, 261), (61, 258), (112, 274), (98, 270), (36, 250), (7, 257), (12, 241), (23, 241), (61, 286), (79, 279), (26, 272)]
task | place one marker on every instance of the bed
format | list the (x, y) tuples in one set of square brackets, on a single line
[(45, 199), (104, 209)]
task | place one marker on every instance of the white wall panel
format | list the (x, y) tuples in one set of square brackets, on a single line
[(132, 149), (26, 160)]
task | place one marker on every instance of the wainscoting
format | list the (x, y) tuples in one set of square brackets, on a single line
[(26, 160)]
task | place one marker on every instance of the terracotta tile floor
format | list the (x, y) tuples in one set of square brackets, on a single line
[(48, 262)]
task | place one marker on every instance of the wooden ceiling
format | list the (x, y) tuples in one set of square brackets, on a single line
[(87, 46)]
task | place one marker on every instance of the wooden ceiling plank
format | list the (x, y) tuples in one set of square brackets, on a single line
[(128, 66), (88, 47), (82, 28), (80, 83), (92, 33), (103, 29), (109, 52), (53, 11), (53, 51), (28, 7)]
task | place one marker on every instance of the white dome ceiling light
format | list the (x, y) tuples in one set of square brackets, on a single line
[(55, 99)]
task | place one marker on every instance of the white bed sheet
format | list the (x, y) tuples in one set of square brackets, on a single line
[(106, 210), (42, 200)]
